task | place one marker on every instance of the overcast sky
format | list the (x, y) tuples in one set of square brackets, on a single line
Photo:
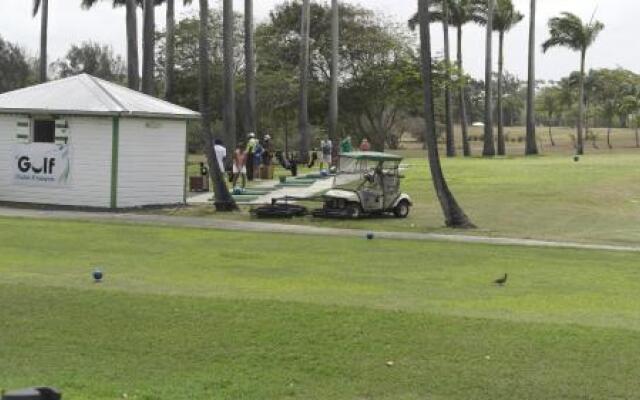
[(616, 46)]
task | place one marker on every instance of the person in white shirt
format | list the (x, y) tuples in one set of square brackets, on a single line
[(326, 146), (221, 153)]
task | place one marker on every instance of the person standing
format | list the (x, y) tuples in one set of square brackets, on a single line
[(240, 166), (365, 145), (267, 156), (326, 147), (251, 145), (258, 150), (345, 145), (221, 153)]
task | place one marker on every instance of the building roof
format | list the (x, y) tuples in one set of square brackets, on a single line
[(371, 155), (87, 95)]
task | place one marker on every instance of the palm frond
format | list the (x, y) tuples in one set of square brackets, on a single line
[(505, 16), (569, 31), (87, 4), (36, 7)]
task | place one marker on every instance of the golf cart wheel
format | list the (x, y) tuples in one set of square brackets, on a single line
[(354, 211), (402, 209)]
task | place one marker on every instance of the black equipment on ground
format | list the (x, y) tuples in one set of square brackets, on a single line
[(280, 208), (36, 393)]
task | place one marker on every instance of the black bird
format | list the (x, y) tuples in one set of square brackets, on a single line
[(501, 281)]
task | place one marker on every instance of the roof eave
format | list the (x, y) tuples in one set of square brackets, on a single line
[(100, 113)]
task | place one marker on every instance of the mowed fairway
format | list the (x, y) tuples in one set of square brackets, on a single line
[(595, 200), (194, 314)]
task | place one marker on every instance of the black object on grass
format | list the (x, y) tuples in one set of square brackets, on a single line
[(37, 393), (501, 281), (370, 236), (97, 276), (576, 158)]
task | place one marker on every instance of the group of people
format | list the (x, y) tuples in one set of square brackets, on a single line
[(247, 159), (346, 146)]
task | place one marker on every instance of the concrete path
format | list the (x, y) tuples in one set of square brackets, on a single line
[(250, 226)]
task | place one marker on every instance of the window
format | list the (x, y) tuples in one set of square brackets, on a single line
[(44, 131)]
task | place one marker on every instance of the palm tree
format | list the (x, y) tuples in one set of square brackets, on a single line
[(303, 114), (454, 215), (148, 46), (451, 146), (133, 69), (223, 199), (489, 146), (531, 147), (569, 31), (43, 7), (229, 114), (133, 73), (461, 12), (505, 17), (250, 68), (335, 54), (170, 78)]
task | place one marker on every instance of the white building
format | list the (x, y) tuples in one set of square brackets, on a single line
[(85, 142)]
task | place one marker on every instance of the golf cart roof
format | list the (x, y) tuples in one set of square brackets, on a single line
[(371, 155)]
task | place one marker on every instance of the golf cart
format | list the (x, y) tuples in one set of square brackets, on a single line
[(367, 183)]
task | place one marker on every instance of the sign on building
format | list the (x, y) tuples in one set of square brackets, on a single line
[(41, 164)]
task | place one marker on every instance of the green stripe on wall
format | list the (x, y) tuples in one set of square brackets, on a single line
[(115, 144)]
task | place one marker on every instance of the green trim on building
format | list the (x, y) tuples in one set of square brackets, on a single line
[(115, 145), (186, 168)]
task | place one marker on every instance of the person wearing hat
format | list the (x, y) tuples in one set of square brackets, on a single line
[(251, 145)]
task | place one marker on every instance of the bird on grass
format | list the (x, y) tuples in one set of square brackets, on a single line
[(501, 281)]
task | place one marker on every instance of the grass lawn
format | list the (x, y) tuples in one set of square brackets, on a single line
[(192, 314), (546, 197)]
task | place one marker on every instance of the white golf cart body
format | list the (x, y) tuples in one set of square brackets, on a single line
[(366, 183)]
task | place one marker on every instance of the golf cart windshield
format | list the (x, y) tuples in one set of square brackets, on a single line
[(357, 168)]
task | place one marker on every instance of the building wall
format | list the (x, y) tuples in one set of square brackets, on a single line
[(151, 162), (90, 140)]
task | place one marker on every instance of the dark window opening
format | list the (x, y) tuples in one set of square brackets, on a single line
[(44, 131)]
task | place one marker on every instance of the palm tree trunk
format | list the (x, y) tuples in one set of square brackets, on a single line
[(489, 149), (171, 51), (501, 145), (448, 102), (466, 149), (133, 72), (303, 114), (223, 199), (580, 147), (148, 47), (531, 147), (609, 136), (251, 121), (453, 214), (637, 135), (44, 22), (335, 54), (229, 112)]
